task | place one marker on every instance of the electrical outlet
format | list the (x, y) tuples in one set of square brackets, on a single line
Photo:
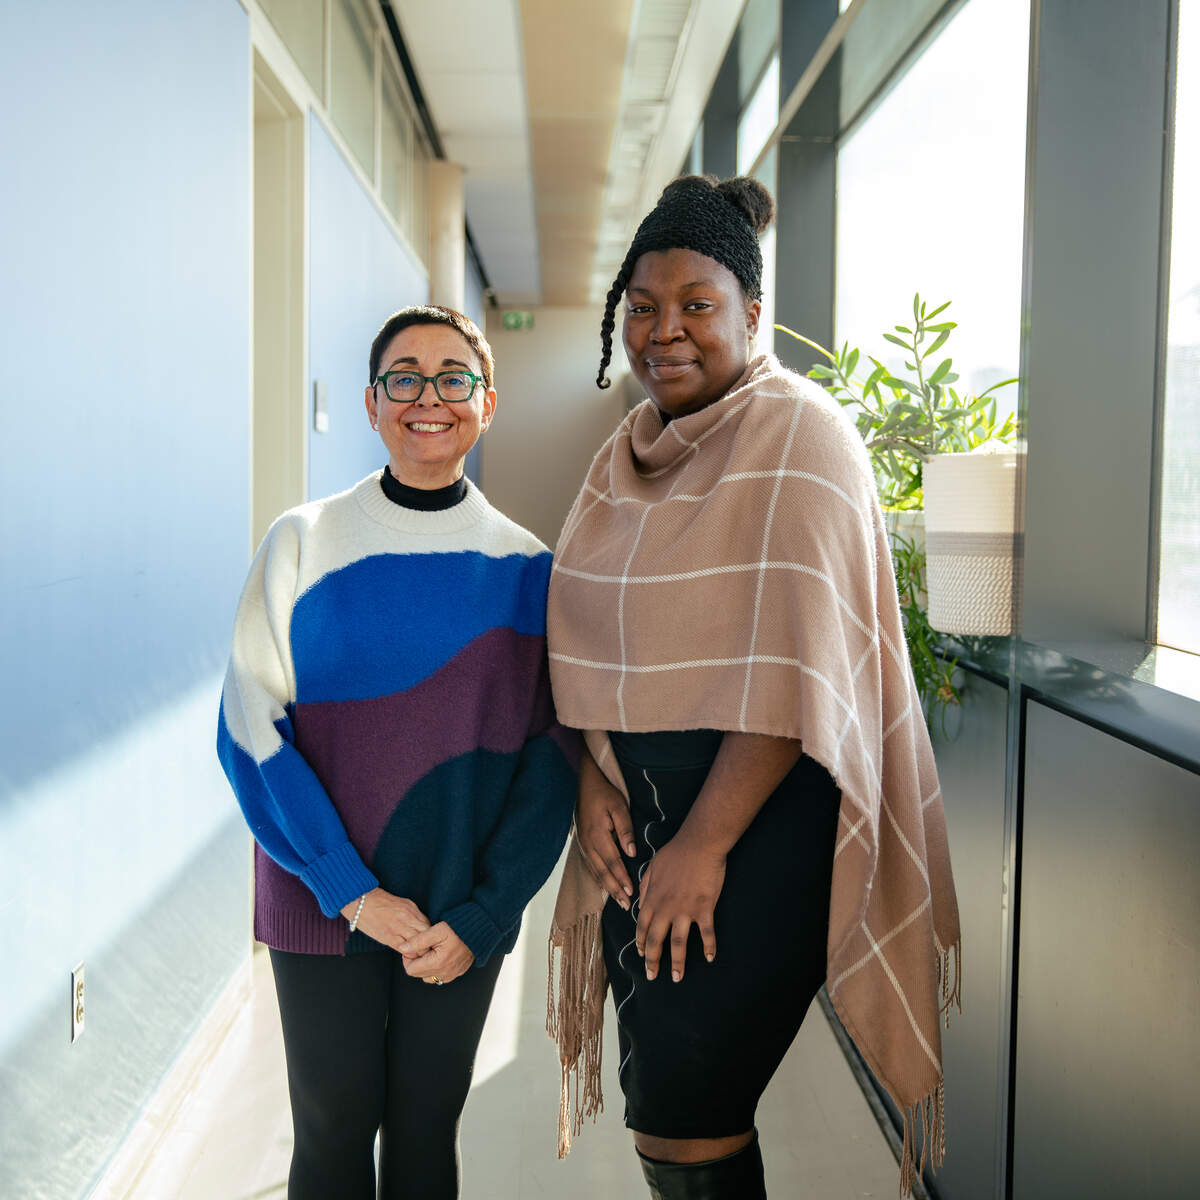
[(77, 1003)]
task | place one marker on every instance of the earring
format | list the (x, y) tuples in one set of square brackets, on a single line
[(375, 425)]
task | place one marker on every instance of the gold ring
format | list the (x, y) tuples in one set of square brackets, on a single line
[(435, 979)]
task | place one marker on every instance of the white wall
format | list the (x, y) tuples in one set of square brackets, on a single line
[(551, 417)]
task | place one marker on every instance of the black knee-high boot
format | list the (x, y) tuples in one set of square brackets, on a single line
[(737, 1176)]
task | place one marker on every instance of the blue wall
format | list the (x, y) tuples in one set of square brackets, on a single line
[(124, 380), (359, 274)]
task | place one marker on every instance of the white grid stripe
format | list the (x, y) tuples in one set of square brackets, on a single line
[(887, 808), (908, 1012), (862, 662), (621, 619), (739, 661), (762, 566), (887, 733), (877, 946), (621, 602), (852, 835), (730, 569), (693, 446), (698, 497)]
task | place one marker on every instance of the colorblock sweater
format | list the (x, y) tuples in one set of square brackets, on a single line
[(386, 720)]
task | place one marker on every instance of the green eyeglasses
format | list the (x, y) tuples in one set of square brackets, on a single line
[(451, 387)]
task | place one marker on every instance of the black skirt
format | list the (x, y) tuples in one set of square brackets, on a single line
[(697, 1055)]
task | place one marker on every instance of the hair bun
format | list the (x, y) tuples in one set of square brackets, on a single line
[(751, 199)]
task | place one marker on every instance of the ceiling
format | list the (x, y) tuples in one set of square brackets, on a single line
[(568, 116)]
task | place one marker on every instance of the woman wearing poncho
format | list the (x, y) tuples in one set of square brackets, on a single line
[(759, 810)]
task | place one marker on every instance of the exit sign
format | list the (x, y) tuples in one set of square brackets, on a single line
[(513, 319)]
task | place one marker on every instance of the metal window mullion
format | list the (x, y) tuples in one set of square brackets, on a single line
[(1154, 564)]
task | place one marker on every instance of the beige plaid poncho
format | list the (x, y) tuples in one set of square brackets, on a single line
[(731, 571)]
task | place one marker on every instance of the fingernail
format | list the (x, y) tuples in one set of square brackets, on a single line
[(628, 890), (630, 849), (710, 957), (649, 973), (675, 976), (623, 903)]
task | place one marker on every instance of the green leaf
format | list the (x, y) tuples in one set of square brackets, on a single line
[(945, 325), (1002, 383), (903, 329), (821, 372), (941, 371), (891, 337), (851, 363), (938, 342)]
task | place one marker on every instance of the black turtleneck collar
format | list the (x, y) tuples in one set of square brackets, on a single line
[(431, 500)]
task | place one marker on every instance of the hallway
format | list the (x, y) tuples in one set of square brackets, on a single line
[(230, 1139)]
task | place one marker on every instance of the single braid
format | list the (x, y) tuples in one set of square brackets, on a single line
[(610, 323)]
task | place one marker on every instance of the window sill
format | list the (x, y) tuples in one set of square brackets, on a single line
[(1146, 695)]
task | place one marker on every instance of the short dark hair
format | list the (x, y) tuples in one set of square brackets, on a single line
[(434, 314)]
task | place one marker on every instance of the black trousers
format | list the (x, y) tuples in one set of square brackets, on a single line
[(370, 1050)]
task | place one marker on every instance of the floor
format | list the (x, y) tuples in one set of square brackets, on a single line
[(231, 1138)]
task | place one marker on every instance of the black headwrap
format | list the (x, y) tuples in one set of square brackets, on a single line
[(721, 221)]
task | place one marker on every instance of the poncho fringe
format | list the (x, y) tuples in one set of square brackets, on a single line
[(802, 597)]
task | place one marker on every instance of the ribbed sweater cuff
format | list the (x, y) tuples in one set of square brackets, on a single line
[(476, 929), (337, 878)]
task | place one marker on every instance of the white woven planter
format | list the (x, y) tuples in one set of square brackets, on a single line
[(973, 547)]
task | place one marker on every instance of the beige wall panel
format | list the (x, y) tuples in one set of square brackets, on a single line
[(551, 418)]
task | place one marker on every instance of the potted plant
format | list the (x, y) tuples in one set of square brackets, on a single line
[(913, 426)]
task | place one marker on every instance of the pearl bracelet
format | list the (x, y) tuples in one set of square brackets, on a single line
[(358, 912)]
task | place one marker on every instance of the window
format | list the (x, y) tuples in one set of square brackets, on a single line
[(759, 117), (352, 87), (1179, 547), (396, 163), (301, 25), (757, 40), (931, 197)]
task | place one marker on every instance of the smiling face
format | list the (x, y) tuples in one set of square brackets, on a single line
[(688, 328), (427, 440)]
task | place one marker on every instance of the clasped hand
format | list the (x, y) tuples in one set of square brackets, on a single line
[(679, 887), (430, 952)]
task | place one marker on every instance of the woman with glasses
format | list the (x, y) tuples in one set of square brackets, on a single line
[(387, 727)]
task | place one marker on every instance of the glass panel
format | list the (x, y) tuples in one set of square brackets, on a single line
[(1179, 550), (353, 83), (301, 25), (759, 117), (768, 175), (931, 198), (419, 226), (395, 182), (758, 37)]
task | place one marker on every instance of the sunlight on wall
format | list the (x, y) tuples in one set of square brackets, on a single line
[(162, 774)]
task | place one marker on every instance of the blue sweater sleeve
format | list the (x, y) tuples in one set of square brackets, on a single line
[(285, 804)]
